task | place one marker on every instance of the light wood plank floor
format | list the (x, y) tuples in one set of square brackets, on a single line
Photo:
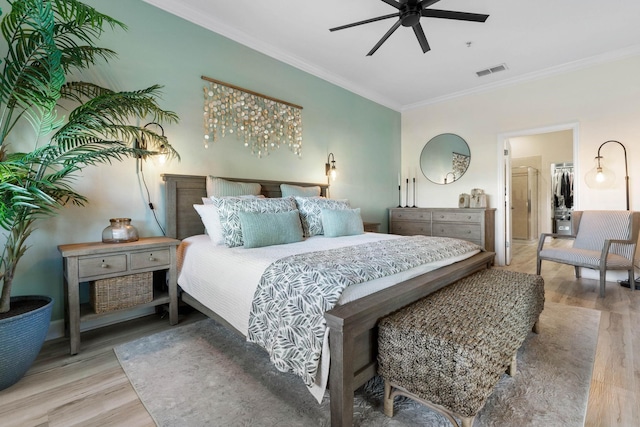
[(90, 389)]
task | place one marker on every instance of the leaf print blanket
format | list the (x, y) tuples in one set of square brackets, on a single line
[(287, 314)]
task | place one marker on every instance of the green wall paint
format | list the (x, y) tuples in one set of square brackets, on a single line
[(161, 48)]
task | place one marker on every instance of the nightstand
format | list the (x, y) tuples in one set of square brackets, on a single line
[(371, 227), (84, 262)]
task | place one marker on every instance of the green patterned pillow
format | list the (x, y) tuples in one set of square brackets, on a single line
[(342, 222), (218, 187), (299, 191), (228, 209), (311, 212), (267, 229)]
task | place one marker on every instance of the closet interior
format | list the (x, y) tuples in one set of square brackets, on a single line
[(562, 197)]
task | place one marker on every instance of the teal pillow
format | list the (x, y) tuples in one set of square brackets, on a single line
[(266, 229), (342, 222), (299, 191)]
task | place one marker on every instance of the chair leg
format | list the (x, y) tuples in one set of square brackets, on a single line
[(539, 266), (577, 272), (603, 275), (632, 280)]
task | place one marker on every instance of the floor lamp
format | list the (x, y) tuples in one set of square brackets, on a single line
[(600, 177)]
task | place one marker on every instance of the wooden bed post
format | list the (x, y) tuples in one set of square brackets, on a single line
[(341, 379)]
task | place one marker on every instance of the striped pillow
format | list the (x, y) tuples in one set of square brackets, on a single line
[(218, 187)]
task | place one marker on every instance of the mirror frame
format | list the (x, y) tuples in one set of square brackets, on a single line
[(443, 157)]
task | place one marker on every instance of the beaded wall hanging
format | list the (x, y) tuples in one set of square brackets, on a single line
[(262, 123)]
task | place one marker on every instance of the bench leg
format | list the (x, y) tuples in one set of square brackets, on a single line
[(388, 400), (513, 366), (467, 421), (536, 327)]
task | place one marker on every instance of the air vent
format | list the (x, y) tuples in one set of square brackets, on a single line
[(491, 70)]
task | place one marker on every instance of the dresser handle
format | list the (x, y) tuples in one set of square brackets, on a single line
[(151, 258), (104, 265)]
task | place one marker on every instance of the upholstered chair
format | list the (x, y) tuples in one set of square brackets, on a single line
[(602, 240)]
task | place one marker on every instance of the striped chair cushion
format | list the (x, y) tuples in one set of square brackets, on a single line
[(598, 226), (583, 257)]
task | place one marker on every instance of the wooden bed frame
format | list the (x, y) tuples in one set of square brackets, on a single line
[(353, 326)]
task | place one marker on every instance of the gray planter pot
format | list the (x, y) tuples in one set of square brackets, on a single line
[(21, 338)]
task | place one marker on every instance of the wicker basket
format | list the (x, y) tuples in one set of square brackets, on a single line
[(121, 292)]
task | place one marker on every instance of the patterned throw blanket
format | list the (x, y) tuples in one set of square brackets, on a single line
[(287, 314)]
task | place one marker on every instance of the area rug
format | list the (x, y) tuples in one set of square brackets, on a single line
[(201, 374)]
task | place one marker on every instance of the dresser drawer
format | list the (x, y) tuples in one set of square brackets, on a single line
[(409, 214), (459, 231), (410, 228), (150, 259), (458, 217), (97, 266)]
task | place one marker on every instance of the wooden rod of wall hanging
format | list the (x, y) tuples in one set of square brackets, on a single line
[(209, 79)]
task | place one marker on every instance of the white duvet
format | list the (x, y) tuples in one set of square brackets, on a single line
[(225, 279)]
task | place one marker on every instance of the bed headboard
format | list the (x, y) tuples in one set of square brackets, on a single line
[(184, 191)]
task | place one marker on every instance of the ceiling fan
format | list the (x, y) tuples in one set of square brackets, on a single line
[(409, 14)]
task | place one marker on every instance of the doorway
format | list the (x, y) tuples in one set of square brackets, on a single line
[(538, 149)]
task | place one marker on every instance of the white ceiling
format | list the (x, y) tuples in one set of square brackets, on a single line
[(533, 39)]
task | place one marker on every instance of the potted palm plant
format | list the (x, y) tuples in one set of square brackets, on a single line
[(45, 41)]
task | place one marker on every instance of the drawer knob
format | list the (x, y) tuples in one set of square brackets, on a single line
[(151, 258), (104, 265)]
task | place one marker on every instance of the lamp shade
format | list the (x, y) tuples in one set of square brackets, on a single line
[(600, 177)]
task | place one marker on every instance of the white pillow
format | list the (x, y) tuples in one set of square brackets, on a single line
[(211, 220), (218, 187)]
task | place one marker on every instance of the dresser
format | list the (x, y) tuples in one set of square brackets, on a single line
[(84, 262), (474, 225)]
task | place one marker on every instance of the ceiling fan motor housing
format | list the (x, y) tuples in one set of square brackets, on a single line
[(410, 14)]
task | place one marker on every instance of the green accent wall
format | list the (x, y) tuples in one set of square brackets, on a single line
[(161, 48)]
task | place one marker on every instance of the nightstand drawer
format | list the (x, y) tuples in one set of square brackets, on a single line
[(98, 266), (149, 259)]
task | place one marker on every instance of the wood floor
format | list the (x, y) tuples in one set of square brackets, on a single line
[(90, 389)]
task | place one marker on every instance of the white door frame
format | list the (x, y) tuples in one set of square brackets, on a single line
[(500, 213)]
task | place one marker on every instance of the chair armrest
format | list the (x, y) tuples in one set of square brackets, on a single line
[(543, 236), (607, 244)]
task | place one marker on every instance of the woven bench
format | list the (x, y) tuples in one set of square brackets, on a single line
[(448, 350)]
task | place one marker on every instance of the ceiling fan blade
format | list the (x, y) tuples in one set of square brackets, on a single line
[(450, 14), (366, 21), (426, 3), (393, 3), (385, 37), (422, 39)]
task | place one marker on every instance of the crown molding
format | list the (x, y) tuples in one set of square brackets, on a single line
[(212, 24), (537, 75)]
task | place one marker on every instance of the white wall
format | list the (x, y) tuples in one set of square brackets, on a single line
[(604, 100)]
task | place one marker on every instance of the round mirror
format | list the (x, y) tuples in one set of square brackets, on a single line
[(445, 158)]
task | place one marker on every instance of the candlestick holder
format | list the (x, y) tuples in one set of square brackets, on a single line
[(407, 199), (399, 195), (414, 193)]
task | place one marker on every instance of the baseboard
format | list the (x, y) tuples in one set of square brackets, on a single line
[(56, 327)]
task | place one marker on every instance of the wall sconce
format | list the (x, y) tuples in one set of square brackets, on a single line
[(600, 177), (330, 167), (162, 152)]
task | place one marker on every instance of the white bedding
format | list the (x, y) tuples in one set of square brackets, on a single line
[(225, 279)]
